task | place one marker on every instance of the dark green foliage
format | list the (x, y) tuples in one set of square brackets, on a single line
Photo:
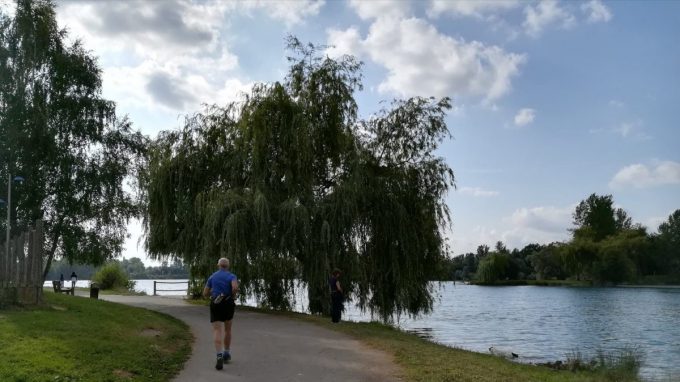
[(596, 218), (62, 267), (289, 184), (668, 244), (606, 248), (493, 268), (548, 262), (64, 139), (112, 276)]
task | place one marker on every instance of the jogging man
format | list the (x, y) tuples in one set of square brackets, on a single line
[(222, 287)]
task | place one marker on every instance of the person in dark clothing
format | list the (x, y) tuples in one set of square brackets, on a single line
[(74, 279), (336, 296)]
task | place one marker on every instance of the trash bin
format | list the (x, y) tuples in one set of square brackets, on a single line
[(94, 290)]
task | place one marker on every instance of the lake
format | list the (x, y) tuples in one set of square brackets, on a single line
[(543, 324)]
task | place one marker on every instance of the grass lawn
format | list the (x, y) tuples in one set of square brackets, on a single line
[(422, 360), (81, 339)]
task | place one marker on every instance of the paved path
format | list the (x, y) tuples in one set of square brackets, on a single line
[(270, 348)]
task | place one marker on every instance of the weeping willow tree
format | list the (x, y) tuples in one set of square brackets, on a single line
[(289, 183)]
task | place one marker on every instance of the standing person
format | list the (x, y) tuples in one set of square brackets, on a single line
[(61, 281), (74, 279), (336, 296), (222, 287)]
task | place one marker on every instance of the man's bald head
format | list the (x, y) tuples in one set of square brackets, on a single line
[(223, 263)]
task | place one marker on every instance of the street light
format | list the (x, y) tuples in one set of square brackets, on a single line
[(18, 179)]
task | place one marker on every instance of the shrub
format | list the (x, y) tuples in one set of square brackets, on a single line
[(112, 276)]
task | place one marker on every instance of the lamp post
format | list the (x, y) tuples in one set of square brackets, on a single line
[(9, 207)]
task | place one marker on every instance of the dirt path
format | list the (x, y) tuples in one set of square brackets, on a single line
[(270, 348)]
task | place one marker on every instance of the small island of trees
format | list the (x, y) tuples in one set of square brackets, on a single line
[(605, 248)]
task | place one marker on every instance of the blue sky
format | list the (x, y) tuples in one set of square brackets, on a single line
[(554, 100)]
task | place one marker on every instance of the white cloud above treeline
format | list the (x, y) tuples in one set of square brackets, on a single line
[(596, 11), (524, 117), (642, 176), (170, 55), (422, 61), (545, 13), (476, 8), (477, 192)]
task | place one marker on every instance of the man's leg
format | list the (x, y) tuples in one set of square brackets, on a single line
[(227, 334), (227, 340), (217, 336)]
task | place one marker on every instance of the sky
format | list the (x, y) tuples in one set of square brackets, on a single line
[(553, 100)]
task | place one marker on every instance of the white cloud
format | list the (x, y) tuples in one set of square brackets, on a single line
[(8, 7), (291, 12), (421, 61), (524, 117), (596, 11), (624, 129), (616, 103), (374, 9), (477, 192), (627, 130), (343, 42), (543, 225), (477, 8), (653, 223), (546, 219), (641, 176), (168, 56), (543, 14)]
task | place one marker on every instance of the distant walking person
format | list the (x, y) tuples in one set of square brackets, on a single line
[(74, 279), (222, 288), (61, 281), (336, 296)]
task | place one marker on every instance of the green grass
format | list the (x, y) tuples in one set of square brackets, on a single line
[(81, 339), (424, 361), (113, 291)]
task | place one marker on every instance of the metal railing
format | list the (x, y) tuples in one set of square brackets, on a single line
[(155, 289)]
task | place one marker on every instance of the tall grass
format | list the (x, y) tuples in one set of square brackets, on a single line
[(620, 366)]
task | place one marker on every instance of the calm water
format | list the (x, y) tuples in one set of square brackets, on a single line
[(548, 323), (542, 323)]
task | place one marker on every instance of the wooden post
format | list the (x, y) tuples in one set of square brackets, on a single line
[(154, 287), (38, 238)]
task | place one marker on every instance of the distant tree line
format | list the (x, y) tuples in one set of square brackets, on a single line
[(134, 268), (606, 247)]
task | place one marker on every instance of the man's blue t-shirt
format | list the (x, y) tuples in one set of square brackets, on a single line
[(220, 282)]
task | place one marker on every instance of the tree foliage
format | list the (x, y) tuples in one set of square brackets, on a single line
[(63, 138), (668, 243), (289, 183), (596, 218), (606, 248), (493, 268)]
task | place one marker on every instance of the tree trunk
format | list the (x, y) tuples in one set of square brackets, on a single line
[(50, 255)]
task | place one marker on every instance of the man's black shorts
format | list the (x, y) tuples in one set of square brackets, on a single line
[(223, 311)]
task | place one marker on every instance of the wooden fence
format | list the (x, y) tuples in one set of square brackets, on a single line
[(21, 269)]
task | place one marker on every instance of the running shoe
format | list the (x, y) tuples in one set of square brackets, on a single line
[(220, 362)]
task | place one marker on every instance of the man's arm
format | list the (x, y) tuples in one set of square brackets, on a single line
[(234, 288), (208, 287)]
